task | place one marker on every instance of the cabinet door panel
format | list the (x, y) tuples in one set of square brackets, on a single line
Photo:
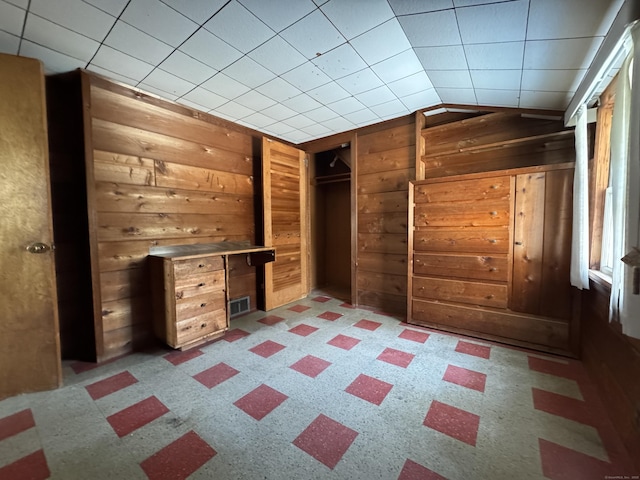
[(199, 305), (194, 329), (194, 285), (196, 266)]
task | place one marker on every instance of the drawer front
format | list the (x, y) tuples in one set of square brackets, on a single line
[(464, 190), (195, 266), (198, 305), (472, 267), (195, 328), (462, 240), (481, 213), (471, 293), (191, 286)]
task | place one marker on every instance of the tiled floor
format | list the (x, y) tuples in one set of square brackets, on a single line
[(316, 390)]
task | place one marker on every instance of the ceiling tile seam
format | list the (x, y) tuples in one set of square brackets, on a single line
[(108, 32), (524, 51), (455, 13), (95, 6), (178, 11), (24, 26)]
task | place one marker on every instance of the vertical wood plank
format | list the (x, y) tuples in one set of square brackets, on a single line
[(354, 219)]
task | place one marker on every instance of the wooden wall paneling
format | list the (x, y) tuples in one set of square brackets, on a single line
[(477, 267), (385, 181), (395, 243), (174, 175), (383, 202), (420, 124), (393, 160), (125, 169), (494, 240), (354, 185), (461, 291)]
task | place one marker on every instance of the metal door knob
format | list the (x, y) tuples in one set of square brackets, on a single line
[(39, 247)]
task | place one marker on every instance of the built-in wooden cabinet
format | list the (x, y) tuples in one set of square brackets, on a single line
[(489, 255)]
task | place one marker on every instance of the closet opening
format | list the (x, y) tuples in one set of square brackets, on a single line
[(330, 204)]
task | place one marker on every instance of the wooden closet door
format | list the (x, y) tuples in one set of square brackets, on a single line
[(284, 191)]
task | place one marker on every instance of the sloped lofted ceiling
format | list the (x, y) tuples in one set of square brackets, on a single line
[(302, 69)]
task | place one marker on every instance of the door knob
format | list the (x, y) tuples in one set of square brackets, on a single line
[(39, 247)]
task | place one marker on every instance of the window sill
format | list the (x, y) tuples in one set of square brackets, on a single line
[(600, 278)]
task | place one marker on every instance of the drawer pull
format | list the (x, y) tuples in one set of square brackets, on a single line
[(518, 243), (202, 305), (201, 284), (203, 325), (493, 213), (493, 240), (201, 265)]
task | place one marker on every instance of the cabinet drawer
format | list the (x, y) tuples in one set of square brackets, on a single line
[(199, 305), (198, 327), (461, 240), (481, 213), (195, 266), (472, 293), (469, 267), (464, 190), (193, 285)]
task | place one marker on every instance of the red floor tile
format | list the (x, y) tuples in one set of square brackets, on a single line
[(396, 357), (303, 330), (178, 357), (16, 423), (215, 375), (465, 378), (266, 349), (299, 308), (136, 416), (562, 406), (321, 299), (331, 316), (481, 351), (452, 421), (347, 305), (260, 402), (344, 342), (414, 471), (412, 335), (310, 366), (179, 459), (235, 334), (561, 463), (367, 324), (553, 368), (31, 467), (326, 440), (370, 389), (110, 385), (271, 320)]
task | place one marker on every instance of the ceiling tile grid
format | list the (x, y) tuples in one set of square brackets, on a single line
[(304, 69)]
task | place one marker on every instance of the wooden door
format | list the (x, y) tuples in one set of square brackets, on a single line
[(29, 338), (284, 191)]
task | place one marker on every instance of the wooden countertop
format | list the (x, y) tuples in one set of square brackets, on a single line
[(201, 249)]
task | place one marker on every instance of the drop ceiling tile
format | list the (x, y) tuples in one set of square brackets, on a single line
[(461, 96), (254, 100), (399, 66), (410, 7), (302, 103), (545, 100), (495, 56), (113, 75), (136, 43), (210, 50), (471, 3), (234, 110), (299, 121), (411, 84), (497, 22), (279, 15), (572, 53), (257, 120), (317, 130), (376, 96), (362, 117), (225, 86), (239, 27), (382, 42), (157, 91), (24, 4), (11, 18), (496, 79), (432, 29), (498, 98), (168, 82), (313, 35), (360, 81), (306, 77), (394, 108), (278, 129), (279, 112), (278, 89), (298, 136), (119, 62), (442, 58), (339, 124), (340, 62), (249, 72), (60, 39), (9, 43), (354, 18), (54, 62), (450, 78), (159, 20), (552, 80), (329, 93), (423, 99), (200, 11), (204, 97), (321, 114), (75, 15), (187, 68), (112, 7), (346, 106), (193, 105), (319, 3), (277, 56), (550, 19)]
